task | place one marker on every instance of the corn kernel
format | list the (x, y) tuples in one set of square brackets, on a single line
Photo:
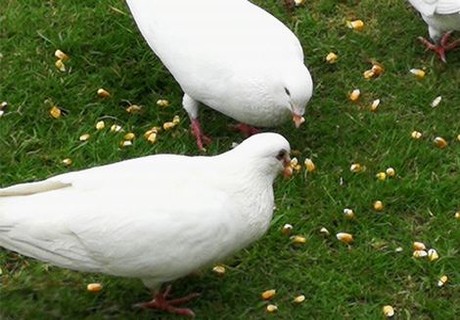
[(4, 104), (84, 137), (309, 165), (377, 69), (368, 74), (440, 142), (168, 125), (436, 102), (442, 281), (67, 162), (100, 125), (458, 137), (129, 136), (457, 215), (55, 112), (331, 58), (324, 231), (390, 172), (152, 137), (61, 55), (381, 176), (388, 311), (419, 73), (375, 104), (356, 167), (433, 255), (268, 294), (287, 229), (271, 308), (357, 25), (94, 287), (378, 205), (59, 64), (419, 254), (115, 128), (298, 240), (134, 108), (354, 95), (345, 237), (417, 245), (126, 143), (103, 93), (163, 103), (416, 135), (220, 270), (348, 213), (299, 2), (176, 120), (299, 299)]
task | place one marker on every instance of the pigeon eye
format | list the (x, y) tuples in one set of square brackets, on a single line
[(281, 155), (287, 91)]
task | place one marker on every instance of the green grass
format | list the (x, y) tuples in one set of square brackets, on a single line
[(339, 282)]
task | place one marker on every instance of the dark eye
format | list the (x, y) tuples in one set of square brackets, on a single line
[(281, 155), (287, 91)]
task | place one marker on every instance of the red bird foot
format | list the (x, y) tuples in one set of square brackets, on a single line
[(160, 302), (245, 129), (442, 47), (201, 139)]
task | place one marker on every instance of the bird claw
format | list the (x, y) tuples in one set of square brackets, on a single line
[(442, 47)]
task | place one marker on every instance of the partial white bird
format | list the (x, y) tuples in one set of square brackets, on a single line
[(156, 218), (442, 17), (229, 55)]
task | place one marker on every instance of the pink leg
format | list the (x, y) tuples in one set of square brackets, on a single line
[(199, 136), (442, 47), (160, 302), (245, 129)]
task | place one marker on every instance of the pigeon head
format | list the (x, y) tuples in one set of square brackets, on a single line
[(269, 152), (294, 91)]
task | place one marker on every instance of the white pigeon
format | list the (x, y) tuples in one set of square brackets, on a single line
[(156, 218), (442, 17), (229, 55)]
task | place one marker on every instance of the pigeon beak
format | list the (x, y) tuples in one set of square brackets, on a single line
[(298, 120), (288, 170)]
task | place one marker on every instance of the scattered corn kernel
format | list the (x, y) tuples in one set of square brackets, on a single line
[(368, 74), (3, 105), (126, 143), (295, 164), (100, 125), (440, 142), (176, 120), (115, 128), (94, 287), (375, 104), (357, 25), (271, 308), (152, 137), (287, 229), (168, 125), (163, 103), (419, 73), (324, 231), (348, 213), (417, 245), (433, 255), (298, 240), (345, 237), (59, 64), (61, 55), (299, 2), (134, 108), (378, 205), (309, 165), (457, 215), (55, 112), (103, 93), (399, 249), (331, 58), (377, 69), (220, 270), (442, 281), (129, 136), (388, 311), (416, 134), (458, 137), (2, 112), (419, 254), (356, 167), (354, 95), (268, 294), (436, 102), (381, 176), (84, 137), (299, 299), (67, 162), (390, 172)]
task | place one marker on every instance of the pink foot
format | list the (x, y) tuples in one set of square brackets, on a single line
[(160, 302), (442, 47), (199, 136), (245, 129)]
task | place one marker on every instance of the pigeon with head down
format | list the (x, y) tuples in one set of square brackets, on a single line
[(157, 218), (229, 55), (442, 17)]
